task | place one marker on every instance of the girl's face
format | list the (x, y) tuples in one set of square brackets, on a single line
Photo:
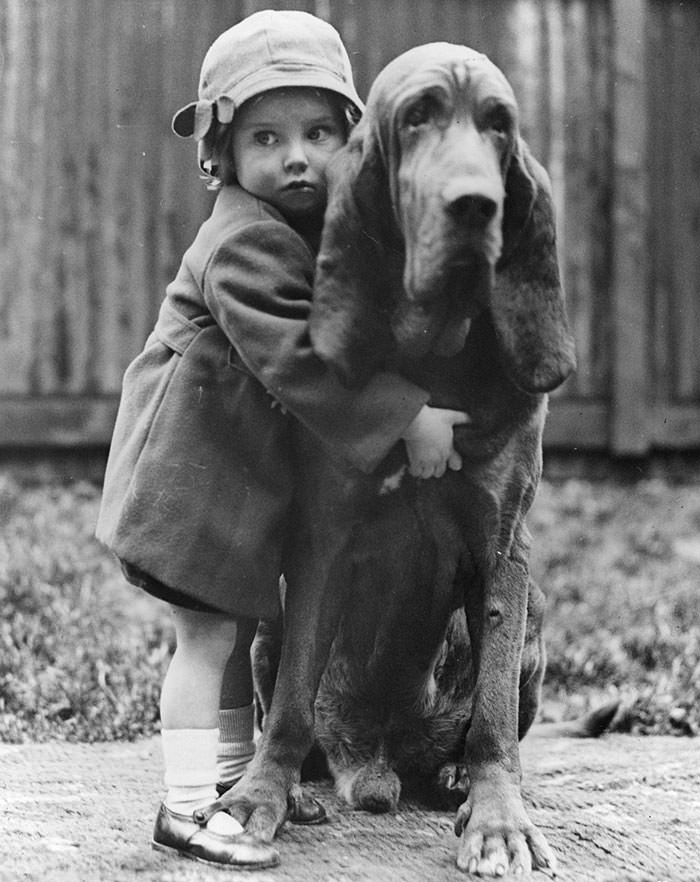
[(282, 142)]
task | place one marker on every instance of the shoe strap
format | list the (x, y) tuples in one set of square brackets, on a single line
[(203, 815)]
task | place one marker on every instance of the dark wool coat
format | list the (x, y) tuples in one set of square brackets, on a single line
[(200, 473)]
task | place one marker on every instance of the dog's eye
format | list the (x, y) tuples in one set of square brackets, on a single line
[(419, 113), (497, 120)]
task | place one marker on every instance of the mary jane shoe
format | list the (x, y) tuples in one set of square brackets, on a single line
[(182, 835)]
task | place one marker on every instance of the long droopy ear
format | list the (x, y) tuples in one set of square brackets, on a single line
[(350, 313), (528, 301)]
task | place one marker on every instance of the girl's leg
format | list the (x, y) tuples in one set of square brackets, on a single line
[(189, 713), (190, 710)]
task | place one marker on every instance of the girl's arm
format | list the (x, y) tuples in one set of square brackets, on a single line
[(258, 285)]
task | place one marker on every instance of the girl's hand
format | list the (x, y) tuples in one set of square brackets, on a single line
[(429, 442)]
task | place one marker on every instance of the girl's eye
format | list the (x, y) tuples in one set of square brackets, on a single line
[(319, 133), (265, 139)]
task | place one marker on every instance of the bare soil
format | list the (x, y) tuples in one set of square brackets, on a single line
[(620, 809)]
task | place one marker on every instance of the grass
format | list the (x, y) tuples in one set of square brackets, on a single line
[(76, 660), (620, 565), (82, 654)]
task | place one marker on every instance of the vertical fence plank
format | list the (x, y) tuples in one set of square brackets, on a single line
[(557, 89), (578, 118), (600, 186), (21, 212), (526, 34), (684, 146), (660, 109), (585, 245), (629, 417)]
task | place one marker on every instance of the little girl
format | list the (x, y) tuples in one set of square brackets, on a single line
[(199, 478)]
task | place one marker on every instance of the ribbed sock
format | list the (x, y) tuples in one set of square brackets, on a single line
[(236, 746), (189, 756)]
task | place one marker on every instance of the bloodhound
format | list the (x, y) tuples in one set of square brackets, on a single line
[(410, 601)]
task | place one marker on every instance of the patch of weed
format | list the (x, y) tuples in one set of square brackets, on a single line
[(74, 662), (623, 617)]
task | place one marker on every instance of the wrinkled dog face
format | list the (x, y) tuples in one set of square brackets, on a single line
[(438, 212), (453, 131)]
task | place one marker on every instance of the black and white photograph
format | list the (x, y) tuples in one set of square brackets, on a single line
[(349, 440)]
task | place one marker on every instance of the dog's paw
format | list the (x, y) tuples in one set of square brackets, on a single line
[(259, 802), (497, 837)]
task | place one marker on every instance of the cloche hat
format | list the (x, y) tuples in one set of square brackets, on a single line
[(267, 50)]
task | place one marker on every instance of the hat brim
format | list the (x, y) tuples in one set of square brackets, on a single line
[(284, 77), (184, 121)]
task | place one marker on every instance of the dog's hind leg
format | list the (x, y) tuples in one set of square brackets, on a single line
[(533, 661), (265, 652)]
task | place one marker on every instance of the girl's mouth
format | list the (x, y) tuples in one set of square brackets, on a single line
[(299, 185)]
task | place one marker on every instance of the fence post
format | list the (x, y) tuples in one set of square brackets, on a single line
[(629, 413)]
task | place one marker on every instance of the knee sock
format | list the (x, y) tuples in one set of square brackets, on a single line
[(236, 742), (190, 775)]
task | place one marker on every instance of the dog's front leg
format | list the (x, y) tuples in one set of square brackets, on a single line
[(497, 835), (316, 581)]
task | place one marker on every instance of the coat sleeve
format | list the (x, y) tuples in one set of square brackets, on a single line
[(258, 286)]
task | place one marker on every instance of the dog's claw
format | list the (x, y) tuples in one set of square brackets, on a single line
[(461, 819), (303, 809), (452, 784)]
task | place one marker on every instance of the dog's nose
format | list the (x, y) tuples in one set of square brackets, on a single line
[(472, 209)]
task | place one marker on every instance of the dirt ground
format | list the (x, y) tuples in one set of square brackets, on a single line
[(620, 809)]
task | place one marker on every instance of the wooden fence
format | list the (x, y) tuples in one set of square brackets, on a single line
[(99, 199)]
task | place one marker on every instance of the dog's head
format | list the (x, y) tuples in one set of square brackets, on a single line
[(437, 212)]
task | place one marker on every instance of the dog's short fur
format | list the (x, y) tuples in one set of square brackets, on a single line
[(438, 260)]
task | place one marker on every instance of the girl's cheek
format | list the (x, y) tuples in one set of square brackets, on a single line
[(334, 146)]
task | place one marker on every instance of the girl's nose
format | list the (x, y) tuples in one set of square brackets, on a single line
[(296, 160)]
